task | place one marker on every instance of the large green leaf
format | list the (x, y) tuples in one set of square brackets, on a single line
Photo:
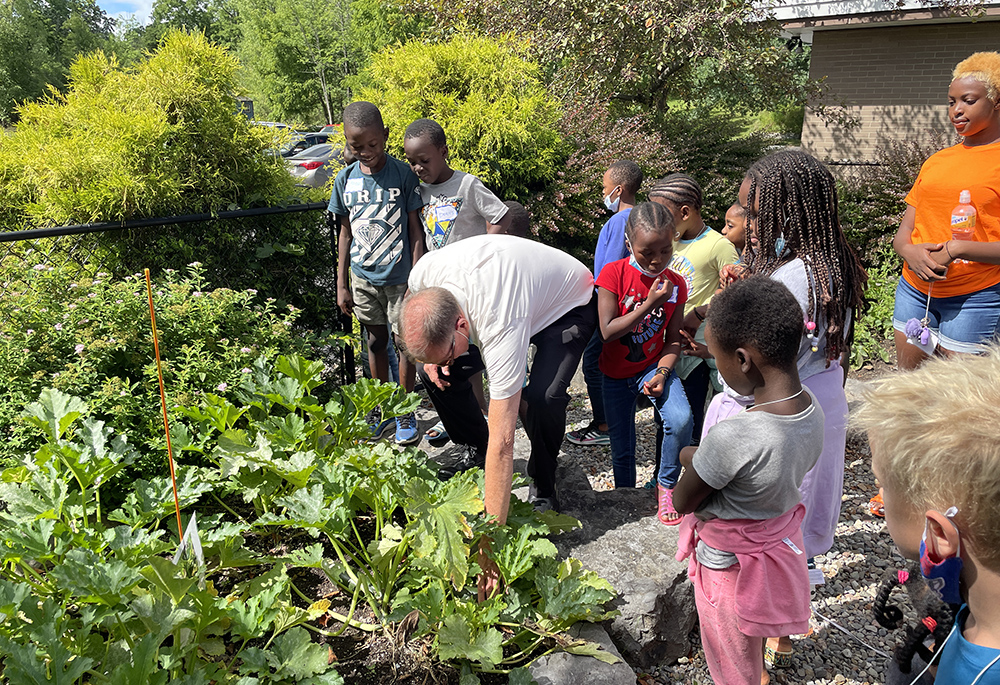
[(294, 658), (455, 641), (90, 579), (439, 525), (55, 412), (306, 373), (569, 593), (162, 573)]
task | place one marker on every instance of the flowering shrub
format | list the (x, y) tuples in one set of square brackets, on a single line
[(91, 337), (569, 213)]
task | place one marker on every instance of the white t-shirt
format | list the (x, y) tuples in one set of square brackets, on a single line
[(510, 289), (457, 209)]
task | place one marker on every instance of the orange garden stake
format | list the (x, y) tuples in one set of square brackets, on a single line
[(163, 403)]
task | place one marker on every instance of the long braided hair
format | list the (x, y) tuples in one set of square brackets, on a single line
[(792, 194)]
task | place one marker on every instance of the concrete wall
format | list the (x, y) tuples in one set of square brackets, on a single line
[(893, 79)]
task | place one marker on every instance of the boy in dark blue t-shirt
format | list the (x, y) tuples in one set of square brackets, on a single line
[(620, 183), (376, 200)]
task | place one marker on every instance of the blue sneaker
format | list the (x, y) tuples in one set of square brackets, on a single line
[(406, 430), (375, 423)]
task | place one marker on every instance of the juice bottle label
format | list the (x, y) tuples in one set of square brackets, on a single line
[(963, 223)]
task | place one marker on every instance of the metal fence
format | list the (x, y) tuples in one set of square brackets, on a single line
[(287, 253)]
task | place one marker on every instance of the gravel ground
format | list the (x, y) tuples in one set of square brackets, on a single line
[(853, 569)]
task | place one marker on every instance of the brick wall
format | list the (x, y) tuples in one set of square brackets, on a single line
[(893, 79)]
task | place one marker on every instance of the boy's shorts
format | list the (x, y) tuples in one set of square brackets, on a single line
[(377, 305)]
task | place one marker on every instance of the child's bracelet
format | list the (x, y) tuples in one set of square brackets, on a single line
[(948, 250), (701, 317), (665, 370)]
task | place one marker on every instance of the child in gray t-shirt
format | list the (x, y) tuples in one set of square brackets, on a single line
[(742, 483), (456, 205)]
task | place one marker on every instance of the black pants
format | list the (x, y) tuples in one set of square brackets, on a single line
[(558, 348), (696, 389)]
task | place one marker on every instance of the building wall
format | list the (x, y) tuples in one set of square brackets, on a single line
[(894, 80)]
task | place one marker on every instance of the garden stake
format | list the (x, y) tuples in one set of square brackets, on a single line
[(163, 404)]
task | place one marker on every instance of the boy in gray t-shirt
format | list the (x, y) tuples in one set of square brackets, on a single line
[(456, 205), (742, 483)]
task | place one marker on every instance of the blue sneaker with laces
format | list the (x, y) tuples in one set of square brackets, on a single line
[(376, 424), (406, 430)]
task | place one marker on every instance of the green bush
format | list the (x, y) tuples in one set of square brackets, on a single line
[(715, 148), (92, 338), (497, 114), (161, 138), (569, 212)]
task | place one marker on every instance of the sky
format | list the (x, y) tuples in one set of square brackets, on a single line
[(121, 9)]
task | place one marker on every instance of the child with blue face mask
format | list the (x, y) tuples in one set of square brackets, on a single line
[(619, 185), (935, 443), (640, 305)]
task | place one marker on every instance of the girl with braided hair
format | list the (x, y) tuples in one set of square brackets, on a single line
[(795, 238), (952, 287)]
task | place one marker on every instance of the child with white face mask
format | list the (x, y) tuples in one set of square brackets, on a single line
[(640, 304), (935, 443)]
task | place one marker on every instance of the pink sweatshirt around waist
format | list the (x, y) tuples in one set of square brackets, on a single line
[(772, 589)]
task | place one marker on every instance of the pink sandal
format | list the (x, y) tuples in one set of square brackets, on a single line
[(665, 506)]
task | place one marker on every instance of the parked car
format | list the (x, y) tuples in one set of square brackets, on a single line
[(331, 128), (302, 141), (311, 167)]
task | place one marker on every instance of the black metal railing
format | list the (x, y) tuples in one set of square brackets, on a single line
[(286, 253)]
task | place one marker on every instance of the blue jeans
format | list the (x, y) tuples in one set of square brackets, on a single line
[(965, 323), (619, 407), (593, 377)]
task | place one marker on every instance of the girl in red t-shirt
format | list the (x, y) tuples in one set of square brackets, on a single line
[(640, 304)]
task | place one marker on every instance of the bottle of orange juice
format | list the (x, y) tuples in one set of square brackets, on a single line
[(963, 220)]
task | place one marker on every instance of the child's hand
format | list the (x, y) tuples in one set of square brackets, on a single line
[(654, 386), (693, 348), (731, 273), (660, 291), (437, 375), (345, 300)]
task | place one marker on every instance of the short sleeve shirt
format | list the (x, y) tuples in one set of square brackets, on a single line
[(935, 193), (756, 462), (699, 261), (611, 241), (633, 352), (459, 208), (509, 289), (377, 206)]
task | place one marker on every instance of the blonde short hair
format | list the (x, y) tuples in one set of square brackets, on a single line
[(983, 67), (935, 435)]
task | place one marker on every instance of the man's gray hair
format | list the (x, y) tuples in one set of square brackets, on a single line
[(428, 320)]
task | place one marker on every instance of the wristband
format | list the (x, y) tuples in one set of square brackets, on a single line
[(664, 370), (701, 317), (948, 250)]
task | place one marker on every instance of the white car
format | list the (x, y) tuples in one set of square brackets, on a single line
[(311, 167)]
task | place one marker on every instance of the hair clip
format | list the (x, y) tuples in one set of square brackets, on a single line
[(811, 334)]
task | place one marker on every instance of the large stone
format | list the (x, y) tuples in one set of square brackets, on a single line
[(622, 540), (570, 669)]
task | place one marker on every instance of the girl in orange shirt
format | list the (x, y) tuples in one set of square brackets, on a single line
[(955, 283)]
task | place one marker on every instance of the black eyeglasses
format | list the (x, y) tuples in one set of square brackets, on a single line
[(451, 352)]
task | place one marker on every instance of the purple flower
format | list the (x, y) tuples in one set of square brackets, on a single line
[(30, 331), (221, 387), (245, 350), (79, 348), (58, 326), (196, 293), (39, 267)]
